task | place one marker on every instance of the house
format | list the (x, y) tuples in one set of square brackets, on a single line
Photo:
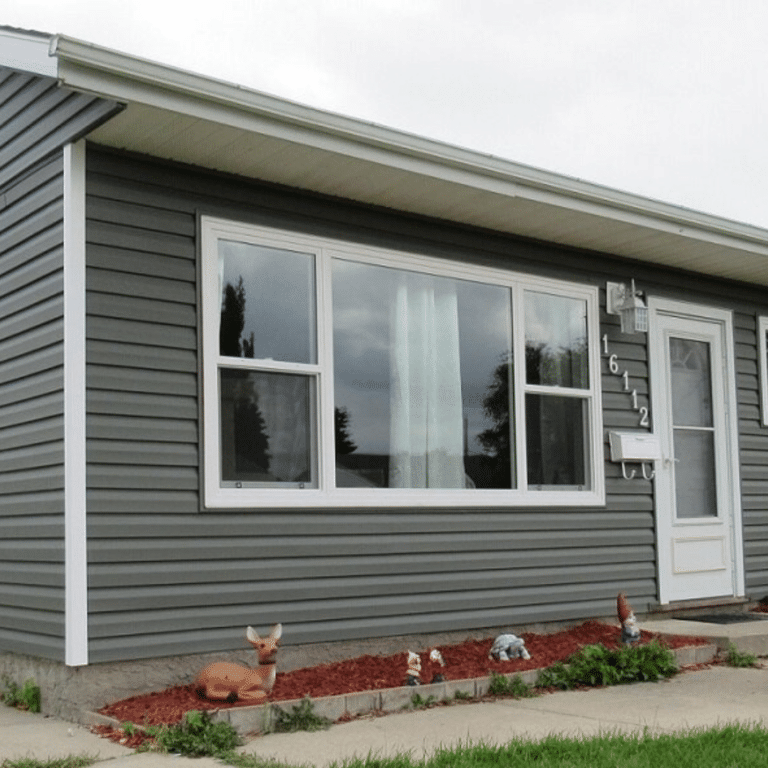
[(263, 363)]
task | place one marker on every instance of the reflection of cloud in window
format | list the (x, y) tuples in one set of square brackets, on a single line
[(363, 300), (555, 322)]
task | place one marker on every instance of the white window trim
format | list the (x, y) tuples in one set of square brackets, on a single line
[(216, 497), (762, 354)]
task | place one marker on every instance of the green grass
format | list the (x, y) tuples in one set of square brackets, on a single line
[(731, 746), (71, 761)]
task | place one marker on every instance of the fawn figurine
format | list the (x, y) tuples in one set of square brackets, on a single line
[(223, 681)]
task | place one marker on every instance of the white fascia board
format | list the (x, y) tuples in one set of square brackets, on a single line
[(129, 79), (75, 533), (27, 51)]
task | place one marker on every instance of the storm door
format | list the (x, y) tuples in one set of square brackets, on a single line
[(693, 406)]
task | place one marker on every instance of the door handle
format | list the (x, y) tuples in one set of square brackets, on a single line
[(669, 462)]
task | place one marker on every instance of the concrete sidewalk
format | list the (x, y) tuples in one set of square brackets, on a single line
[(691, 700)]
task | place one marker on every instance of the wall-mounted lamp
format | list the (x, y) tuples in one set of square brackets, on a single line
[(628, 304)]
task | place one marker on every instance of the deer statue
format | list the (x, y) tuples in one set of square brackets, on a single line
[(223, 681)]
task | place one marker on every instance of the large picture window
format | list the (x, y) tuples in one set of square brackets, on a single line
[(344, 375)]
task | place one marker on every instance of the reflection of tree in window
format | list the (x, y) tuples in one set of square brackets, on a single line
[(496, 440), (554, 424), (251, 440), (344, 443), (233, 322)]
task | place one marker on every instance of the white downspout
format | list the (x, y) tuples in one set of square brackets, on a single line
[(75, 553)]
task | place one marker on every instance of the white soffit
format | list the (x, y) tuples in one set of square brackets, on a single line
[(188, 118)]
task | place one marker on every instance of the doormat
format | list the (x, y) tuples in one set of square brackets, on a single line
[(726, 618)]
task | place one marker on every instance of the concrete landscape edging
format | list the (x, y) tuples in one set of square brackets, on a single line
[(260, 719)]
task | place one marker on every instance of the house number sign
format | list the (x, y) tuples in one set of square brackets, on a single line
[(615, 369)]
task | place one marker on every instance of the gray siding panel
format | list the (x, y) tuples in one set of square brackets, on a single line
[(37, 118), (754, 455), (166, 577), (31, 413)]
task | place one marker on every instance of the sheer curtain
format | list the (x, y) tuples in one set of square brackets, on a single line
[(426, 423)]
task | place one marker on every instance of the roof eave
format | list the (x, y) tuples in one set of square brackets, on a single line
[(108, 73)]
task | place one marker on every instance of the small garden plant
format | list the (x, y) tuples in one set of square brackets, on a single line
[(301, 718), (501, 685), (598, 665), (196, 736), (737, 658), (419, 702), (25, 697)]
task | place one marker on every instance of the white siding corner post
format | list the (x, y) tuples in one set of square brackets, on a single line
[(75, 552)]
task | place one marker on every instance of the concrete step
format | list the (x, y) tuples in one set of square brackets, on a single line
[(749, 636)]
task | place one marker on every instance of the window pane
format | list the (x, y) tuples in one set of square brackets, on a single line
[(556, 430), (422, 372), (556, 341), (266, 428), (691, 383), (267, 303), (695, 491)]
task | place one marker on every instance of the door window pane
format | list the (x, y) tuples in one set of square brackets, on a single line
[(695, 489), (556, 341), (266, 428), (691, 382), (267, 303), (422, 372), (556, 429)]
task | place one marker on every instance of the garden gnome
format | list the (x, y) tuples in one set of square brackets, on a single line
[(436, 661), (508, 646), (223, 681), (630, 633), (413, 674)]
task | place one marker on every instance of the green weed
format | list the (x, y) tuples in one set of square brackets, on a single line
[(417, 702), (462, 696), (27, 697), (302, 718), (737, 658), (501, 685), (597, 665), (196, 736)]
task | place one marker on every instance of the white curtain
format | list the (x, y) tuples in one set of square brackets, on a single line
[(426, 424)]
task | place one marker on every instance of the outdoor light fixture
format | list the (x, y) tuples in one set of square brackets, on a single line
[(629, 305)]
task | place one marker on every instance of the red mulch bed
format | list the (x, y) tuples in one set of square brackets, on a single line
[(464, 660)]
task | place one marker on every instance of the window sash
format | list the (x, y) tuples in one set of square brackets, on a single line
[(326, 494)]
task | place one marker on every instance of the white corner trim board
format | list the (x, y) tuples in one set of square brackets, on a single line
[(75, 567)]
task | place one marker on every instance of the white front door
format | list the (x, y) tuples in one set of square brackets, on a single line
[(693, 402)]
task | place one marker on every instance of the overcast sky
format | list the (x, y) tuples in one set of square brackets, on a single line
[(662, 98)]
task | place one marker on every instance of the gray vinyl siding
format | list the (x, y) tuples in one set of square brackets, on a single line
[(168, 577), (36, 120), (754, 455)]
